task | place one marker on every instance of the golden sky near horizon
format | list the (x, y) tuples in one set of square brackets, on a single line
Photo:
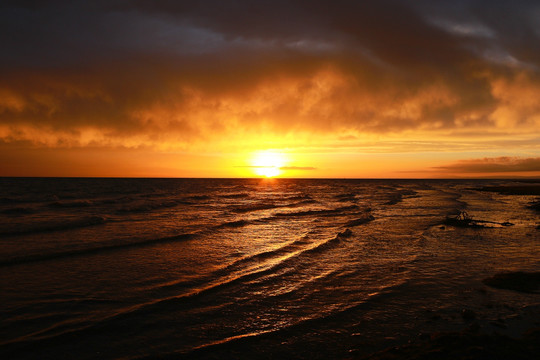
[(388, 88)]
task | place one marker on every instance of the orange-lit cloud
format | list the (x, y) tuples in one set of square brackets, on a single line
[(298, 168), (494, 165), (212, 77)]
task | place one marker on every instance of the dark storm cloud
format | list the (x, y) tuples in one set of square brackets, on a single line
[(156, 70)]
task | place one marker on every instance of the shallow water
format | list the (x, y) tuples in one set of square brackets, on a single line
[(135, 268)]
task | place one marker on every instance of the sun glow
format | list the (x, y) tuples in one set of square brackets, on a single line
[(268, 163)]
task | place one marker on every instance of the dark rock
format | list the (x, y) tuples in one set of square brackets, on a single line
[(517, 281), (473, 328), (488, 305), (498, 324), (515, 317), (360, 221), (468, 314), (466, 345), (463, 219), (535, 205), (346, 233)]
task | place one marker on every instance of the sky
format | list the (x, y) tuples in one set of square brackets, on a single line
[(301, 88)]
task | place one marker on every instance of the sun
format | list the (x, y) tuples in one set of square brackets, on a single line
[(268, 163)]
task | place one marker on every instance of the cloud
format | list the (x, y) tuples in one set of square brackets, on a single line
[(280, 168), (494, 165), (187, 75), (255, 166), (297, 168)]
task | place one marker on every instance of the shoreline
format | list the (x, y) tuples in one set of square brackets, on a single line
[(467, 344), (514, 336)]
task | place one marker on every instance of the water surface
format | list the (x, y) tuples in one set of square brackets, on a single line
[(209, 268)]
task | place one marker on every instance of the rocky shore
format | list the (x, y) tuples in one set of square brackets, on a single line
[(518, 338), (467, 344)]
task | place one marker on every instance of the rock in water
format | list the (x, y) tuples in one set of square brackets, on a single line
[(468, 314), (517, 281), (346, 233)]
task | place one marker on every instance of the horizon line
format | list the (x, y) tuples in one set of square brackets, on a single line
[(275, 178)]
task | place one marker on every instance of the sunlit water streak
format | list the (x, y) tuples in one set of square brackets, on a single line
[(135, 268)]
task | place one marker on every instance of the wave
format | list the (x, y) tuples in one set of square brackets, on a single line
[(287, 253), (235, 196), (293, 290), (19, 211), (93, 250), (408, 192), (58, 226), (146, 207), (234, 224), (71, 204), (396, 197), (241, 269), (280, 215), (271, 205), (365, 218), (254, 207), (116, 200), (63, 332), (330, 243), (247, 269), (318, 212), (8, 200), (236, 273), (298, 197), (245, 343), (256, 258), (95, 325), (346, 197), (138, 206), (305, 202), (197, 198)]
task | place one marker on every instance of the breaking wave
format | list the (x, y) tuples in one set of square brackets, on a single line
[(55, 226), (93, 250)]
